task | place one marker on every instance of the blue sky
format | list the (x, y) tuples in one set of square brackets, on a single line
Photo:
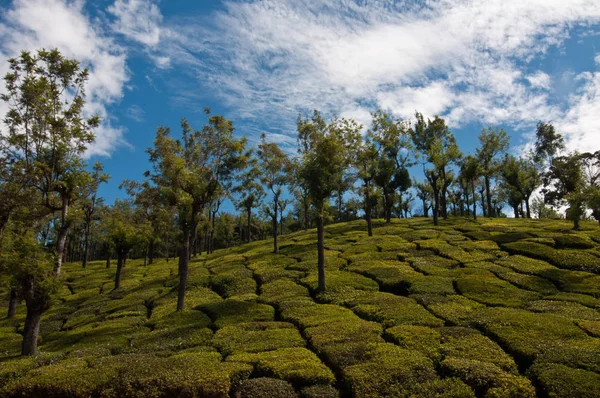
[(505, 63)]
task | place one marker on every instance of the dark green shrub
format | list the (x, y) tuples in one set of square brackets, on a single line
[(319, 392), (565, 308), (281, 290), (265, 387), (455, 309), (230, 312), (306, 315), (419, 338), (559, 381), (297, 366), (388, 371), (591, 327), (581, 354), (567, 259), (257, 337), (466, 343), (487, 379), (336, 279), (392, 276), (573, 241), (493, 291), (169, 340)]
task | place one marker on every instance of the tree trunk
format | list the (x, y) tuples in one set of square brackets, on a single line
[(151, 252), (249, 216), (274, 220), (488, 195), (306, 221), (436, 207), (120, 261), (425, 209), (12, 303), (321, 251), (368, 211), (474, 203), (86, 241), (516, 211), (108, 259), (388, 206), (61, 239), (527, 206), (31, 330), (183, 274)]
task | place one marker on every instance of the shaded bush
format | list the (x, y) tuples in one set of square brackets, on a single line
[(559, 381), (257, 337), (230, 312), (265, 387)]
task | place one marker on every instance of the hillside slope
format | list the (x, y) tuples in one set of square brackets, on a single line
[(493, 308)]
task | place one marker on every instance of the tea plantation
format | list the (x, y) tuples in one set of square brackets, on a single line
[(492, 308)]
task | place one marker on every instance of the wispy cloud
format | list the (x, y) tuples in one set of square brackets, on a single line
[(466, 60), (135, 112), (34, 24)]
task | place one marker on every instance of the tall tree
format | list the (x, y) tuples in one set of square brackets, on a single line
[(568, 186), (522, 176), (47, 133), (324, 150), (493, 144), (275, 174), (366, 165), (188, 172)]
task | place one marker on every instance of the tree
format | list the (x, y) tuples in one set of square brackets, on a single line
[(251, 192), (522, 176), (436, 145), (569, 186), (47, 133), (366, 164), (391, 139), (126, 228), (324, 150), (548, 143), (89, 203), (493, 143), (470, 172), (31, 269), (188, 173), (275, 171), (424, 194)]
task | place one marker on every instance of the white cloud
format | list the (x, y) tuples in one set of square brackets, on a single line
[(462, 59), (34, 24), (138, 20), (136, 113)]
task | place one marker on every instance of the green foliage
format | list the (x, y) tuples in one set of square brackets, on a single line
[(565, 382), (257, 337), (265, 387), (230, 312), (297, 366)]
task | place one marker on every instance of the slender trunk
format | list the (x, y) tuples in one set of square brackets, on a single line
[(275, 245), (12, 303), (195, 243), (387, 198), (474, 204), (368, 211), (120, 264), (340, 204), (212, 233), (527, 206), (436, 207), (86, 240), (306, 220), (280, 223), (61, 239), (425, 209), (488, 197), (321, 251), (108, 260), (249, 216), (516, 211), (183, 274), (151, 252)]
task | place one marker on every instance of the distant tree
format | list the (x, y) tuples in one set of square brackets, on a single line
[(187, 171), (89, 204), (324, 150), (548, 143), (275, 173), (250, 191), (366, 165), (522, 176), (391, 139), (493, 144), (470, 172), (425, 194), (126, 227), (568, 186), (436, 145)]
